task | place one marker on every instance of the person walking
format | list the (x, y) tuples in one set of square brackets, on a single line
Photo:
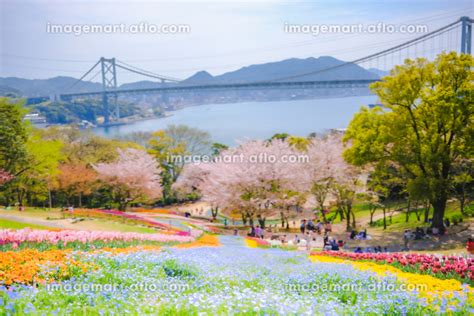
[(303, 226), (406, 239)]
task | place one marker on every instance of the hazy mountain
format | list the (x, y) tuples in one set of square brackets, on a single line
[(379, 72), (293, 67), (145, 84), (9, 91), (46, 87), (201, 77), (275, 70)]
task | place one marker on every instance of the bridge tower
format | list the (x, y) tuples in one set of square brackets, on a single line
[(466, 35), (164, 95), (109, 83)]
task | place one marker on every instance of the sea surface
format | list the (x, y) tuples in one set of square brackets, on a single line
[(230, 123)]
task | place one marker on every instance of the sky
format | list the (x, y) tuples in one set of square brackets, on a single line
[(222, 35)]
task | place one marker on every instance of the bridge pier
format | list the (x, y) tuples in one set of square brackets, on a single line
[(109, 83), (105, 106), (466, 35)]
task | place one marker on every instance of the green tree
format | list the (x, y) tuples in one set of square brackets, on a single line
[(217, 148), (43, 158), (386, 186), (425, 124), (13, 137), (463, 185), (280, 136), (170, 147), (299, 143)]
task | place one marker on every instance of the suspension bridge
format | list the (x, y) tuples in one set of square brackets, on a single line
[(456, 36)]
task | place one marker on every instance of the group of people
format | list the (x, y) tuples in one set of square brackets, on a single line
[(362, 235), (307, 240), (309, 225), (422, 233), (256, 232), (376, 249), (333, 244)]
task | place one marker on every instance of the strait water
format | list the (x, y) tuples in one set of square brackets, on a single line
[(228, 123)]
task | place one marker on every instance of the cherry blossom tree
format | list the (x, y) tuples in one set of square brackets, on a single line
[(135, 176), (253, 178), (329, 175), (4, 176), (325, 159)]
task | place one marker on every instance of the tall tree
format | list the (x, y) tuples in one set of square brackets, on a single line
[(13, 137), (171, 146), (425, 124), (325, 159), (41, 166)]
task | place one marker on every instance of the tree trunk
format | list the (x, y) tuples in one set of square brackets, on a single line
[(384, 218), (123, 206), (50, 198), (353, 217), (348, 220), (427, 213), (407, 217), (462, 202), (439, 207), (418, 216), (244, 219), (261, 221), (341, 214), (214, 212), (80, 199), (250, 217), (372, 212)]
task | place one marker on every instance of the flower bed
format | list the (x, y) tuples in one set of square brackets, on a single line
[(11, 239), (122, 216), (443, 267), (157, 211), (428, 287), (204, 241), (256, 242), (228, 280), (32, 266), (253, 242)]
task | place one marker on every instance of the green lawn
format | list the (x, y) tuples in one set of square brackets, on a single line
[(32, 215), (399, 222), (9, 224)]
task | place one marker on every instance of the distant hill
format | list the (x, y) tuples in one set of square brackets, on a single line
[(201, 77), (294, 66), (378, 72), (9, 91), (145, 84), (46, 87), (261, 72)]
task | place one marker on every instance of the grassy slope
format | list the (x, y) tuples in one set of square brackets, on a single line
[(36, 217), (398, 222), (9, 224)]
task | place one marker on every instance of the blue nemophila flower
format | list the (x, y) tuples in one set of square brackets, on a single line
[(230, 280)]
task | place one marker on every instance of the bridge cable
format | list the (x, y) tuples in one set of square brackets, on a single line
[(143, 72), (83, 76), (384, 52)]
